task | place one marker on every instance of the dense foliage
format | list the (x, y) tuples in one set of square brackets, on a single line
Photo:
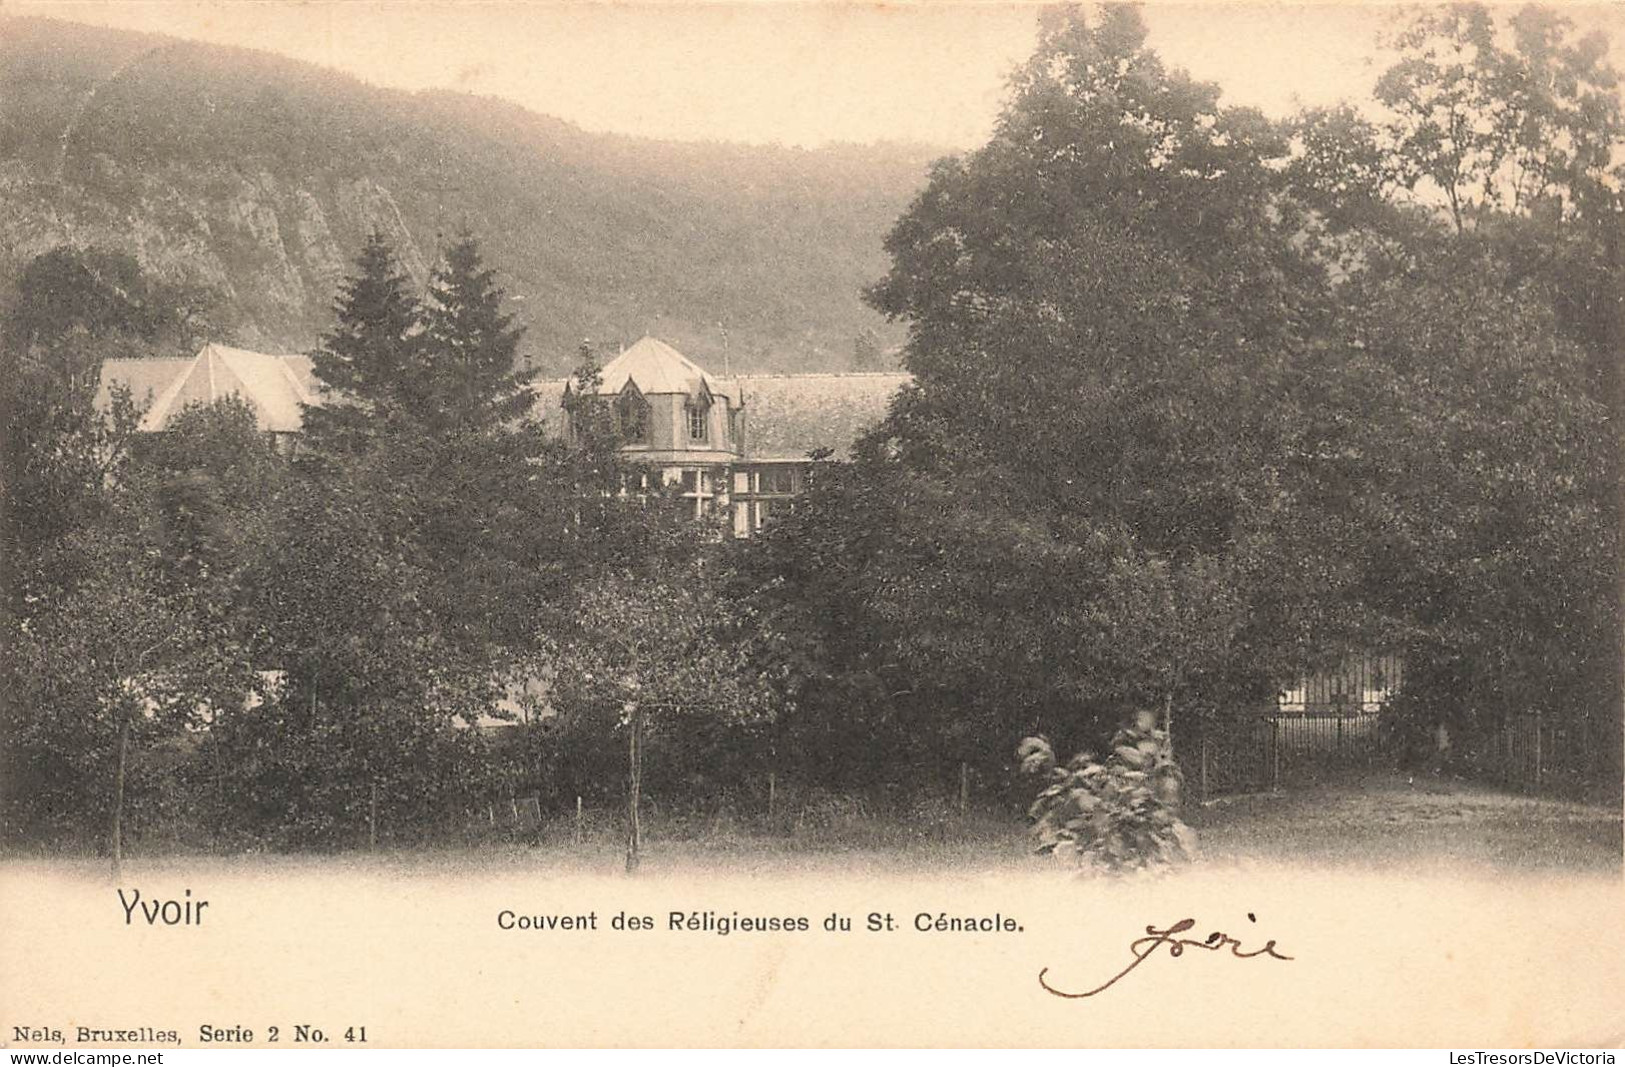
[(1480, 346), (1075, 510), (1204, 402), (1116, 814), (239, 643), (102, 637)]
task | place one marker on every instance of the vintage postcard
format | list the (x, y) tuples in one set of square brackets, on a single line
[(811, 524)]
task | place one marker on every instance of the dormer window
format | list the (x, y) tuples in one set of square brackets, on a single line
[(632, 416), (699, 421)]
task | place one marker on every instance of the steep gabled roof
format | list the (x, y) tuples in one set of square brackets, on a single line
[(147, 379), (274, 386), (657, 368)]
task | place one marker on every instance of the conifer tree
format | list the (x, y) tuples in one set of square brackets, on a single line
[(368, 365), (470, 344), (596, 442)]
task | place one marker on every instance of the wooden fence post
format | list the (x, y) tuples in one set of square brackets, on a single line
[(964, 787), (1275, 755), (634, 831), (578, 829), (117, 829), (772, 792), (1539, 753)]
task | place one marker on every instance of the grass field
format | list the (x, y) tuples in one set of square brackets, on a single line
[(1375, 820), (1380, 820), (1394, 819)]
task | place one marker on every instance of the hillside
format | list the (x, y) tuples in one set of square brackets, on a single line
[(259, 176)]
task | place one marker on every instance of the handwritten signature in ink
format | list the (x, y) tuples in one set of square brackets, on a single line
[(1143, 947)]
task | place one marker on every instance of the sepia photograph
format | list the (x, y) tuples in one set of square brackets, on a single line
[(812, 524)]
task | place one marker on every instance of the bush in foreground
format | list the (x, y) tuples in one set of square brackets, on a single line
[(1119, 814)]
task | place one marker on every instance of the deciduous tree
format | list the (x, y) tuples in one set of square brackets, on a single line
[(1063, 520), (659, 649)]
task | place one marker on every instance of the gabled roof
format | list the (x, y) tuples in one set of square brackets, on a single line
[(274, 386), (147, 379), (656, 367), (789, 415)]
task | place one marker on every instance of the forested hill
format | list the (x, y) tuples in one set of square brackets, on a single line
[(259, 176)]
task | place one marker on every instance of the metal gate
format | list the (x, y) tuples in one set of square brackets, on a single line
[(1262, 753)]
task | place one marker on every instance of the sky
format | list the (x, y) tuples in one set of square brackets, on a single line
[(764, 71)]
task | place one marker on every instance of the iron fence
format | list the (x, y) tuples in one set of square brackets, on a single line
[(1540, 752), (1261, 753)]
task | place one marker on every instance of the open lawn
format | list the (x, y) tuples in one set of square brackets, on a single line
[(1389, 819), (1380, 820), (1377, 820)]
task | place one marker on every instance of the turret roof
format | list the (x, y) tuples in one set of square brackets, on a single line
[(657, 367)]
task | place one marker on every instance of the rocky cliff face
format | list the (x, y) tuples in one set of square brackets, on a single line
[(273, 252), (260, 177)]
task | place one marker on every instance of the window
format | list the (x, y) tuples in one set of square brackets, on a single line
[(697, 486), (632, 418), (779, 480), (698, 420)]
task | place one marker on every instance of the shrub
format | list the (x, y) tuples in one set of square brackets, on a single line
[(1116, 815)]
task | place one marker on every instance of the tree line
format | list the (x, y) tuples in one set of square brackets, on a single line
[(1201, 401), (1204, 401), (222, 636)]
